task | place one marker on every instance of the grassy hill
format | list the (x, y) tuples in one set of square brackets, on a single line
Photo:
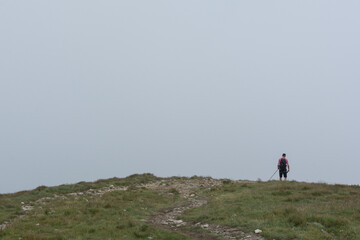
[(148, 207)]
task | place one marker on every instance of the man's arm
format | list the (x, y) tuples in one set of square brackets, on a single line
[(288, 167)]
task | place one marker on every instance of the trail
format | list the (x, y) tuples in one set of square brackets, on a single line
[(170, 218)]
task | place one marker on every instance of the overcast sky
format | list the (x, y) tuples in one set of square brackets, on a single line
[(97, 89)]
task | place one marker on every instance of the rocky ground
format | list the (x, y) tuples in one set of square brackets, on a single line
[(169, 218)]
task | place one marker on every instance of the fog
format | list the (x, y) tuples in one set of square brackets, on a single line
[(97, 89)]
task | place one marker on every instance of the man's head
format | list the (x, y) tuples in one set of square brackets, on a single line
[(284, 155)]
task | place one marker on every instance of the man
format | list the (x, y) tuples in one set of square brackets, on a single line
[(282, 165)]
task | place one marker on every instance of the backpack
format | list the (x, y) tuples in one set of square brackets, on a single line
[(283, 165)]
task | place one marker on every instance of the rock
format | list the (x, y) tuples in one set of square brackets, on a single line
[(205, 225), (192, 195), (27, 208), (257, 231), (178, 221), (38, 224)]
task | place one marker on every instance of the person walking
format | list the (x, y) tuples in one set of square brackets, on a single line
[(283, 166)]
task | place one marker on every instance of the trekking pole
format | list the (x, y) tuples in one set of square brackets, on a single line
[(273, 174)]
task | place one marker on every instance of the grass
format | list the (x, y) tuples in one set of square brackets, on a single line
[(10, 204), (115, 215), (285, 210)]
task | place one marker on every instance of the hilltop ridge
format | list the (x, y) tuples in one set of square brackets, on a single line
[(143, 206)]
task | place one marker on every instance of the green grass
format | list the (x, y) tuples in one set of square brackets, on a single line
[(10, 204), (115, 215), (285, 210)]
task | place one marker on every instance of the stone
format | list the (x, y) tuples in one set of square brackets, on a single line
[(257, 231), (27, 208), (205, 225)]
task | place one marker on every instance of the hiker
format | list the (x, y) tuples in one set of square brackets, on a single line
[(282, 164)]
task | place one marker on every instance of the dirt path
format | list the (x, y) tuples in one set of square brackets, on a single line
[(168, 219), (171, 218)]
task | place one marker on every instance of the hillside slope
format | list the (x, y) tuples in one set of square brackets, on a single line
[(148, 207)]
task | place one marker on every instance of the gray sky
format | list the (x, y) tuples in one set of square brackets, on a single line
[(96, 89)]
